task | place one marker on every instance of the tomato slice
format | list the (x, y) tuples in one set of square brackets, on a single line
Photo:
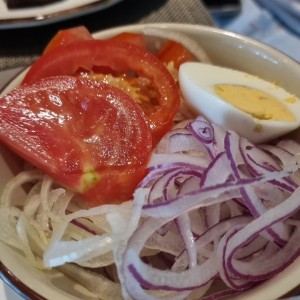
[(89, 136), (175, 52), (122, 58), (132, 38), (68, 36)]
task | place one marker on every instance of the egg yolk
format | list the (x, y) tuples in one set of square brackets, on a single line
[(257, 103)]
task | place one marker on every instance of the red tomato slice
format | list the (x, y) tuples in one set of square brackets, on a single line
[(132, 38), (68, 36), (175, 52), (89, 136), (120, 57)]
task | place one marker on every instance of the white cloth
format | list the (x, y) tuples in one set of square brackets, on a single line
[(261, 22), (6, 293), (287, 11)]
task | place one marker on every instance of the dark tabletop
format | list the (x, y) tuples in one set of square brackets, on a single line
[(20, 46)]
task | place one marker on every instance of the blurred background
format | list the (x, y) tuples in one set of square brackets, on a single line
[(274, 22)]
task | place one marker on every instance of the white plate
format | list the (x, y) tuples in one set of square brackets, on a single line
[(46, 14), (226, 49)]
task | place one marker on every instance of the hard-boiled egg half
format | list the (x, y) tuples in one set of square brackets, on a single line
[(254, 108)]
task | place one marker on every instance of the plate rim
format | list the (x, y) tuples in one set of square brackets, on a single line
[(46, 19), (248, 294), (17, 285)]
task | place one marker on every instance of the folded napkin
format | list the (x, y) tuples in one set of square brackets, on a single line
[(286, 11), (275, 23)]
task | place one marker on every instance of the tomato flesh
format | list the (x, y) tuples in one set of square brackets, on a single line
[(175, 52), (131, 38), (68, 36), (89, 136), (121, 58)]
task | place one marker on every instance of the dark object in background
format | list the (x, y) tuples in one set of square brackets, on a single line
[(27, 3), (222, 5), (223, 11)]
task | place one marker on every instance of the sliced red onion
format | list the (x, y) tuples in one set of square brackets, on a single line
[(179, 140), (259, 162), (289, 145), (233, 282), (203, 197), (83, 226), (210, 135), (237, 179), (202, 130), (212, 208), (183, 158), (184, 227), (209, 236), (285, 158), (216, 171), (279, 232), (171, 242), (272, 264), (158, 279), (212, 214)]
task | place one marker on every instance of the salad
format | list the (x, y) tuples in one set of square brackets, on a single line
[(137, 198)]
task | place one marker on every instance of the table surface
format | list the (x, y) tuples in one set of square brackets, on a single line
[(19, 47)]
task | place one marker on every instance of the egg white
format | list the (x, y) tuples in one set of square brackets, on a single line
[(197, 81)]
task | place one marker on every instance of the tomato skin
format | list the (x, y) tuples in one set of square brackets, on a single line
[(131, 38), (88, 136), (68, 36), (175, 52), (120, 57)]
